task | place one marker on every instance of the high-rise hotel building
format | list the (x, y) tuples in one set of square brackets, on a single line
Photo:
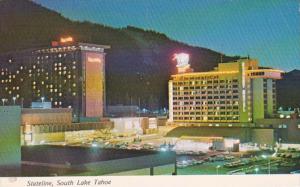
[(69, 74), (235, 93)]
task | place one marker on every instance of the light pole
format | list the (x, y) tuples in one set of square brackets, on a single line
[(256, 170), (269, 163), (3, 100), (14, 99), (217, 168)]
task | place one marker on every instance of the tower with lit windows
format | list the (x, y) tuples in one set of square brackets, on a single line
[(69, 74), (235, 93)]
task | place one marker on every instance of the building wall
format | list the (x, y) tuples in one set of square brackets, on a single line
[(130, 125), (236, 92), (135, 165), (10, 143), (46, 116), (243, 134), (258, 99), (94, 87), (171, 100), (263, 136)]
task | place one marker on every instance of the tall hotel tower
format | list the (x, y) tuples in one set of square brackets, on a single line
[(69, 74), (234, 94)]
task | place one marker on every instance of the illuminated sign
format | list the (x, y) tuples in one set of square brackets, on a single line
[(182, 59), (94, 60), (66, 39)]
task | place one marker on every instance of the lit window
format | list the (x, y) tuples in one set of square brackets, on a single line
[(74, 93), (60, 94), (21, 67), (74, 67), (74, 84)]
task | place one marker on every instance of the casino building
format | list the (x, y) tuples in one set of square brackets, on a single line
[(68, 74), (234, 94)]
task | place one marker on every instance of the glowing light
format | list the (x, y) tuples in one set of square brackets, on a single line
[(94, 60), (182, 59), (67, 39)]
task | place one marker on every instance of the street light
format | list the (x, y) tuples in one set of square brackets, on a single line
[(14, 99), (269, 163), (42, 98), (218, 166), (256, 170), (3, 100)]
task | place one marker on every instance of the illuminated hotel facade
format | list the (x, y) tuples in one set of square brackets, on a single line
[(69, 74), (234, 94)]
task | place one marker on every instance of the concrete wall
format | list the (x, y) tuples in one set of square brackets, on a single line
[(10, 143), (258, 98), (135, 165), (244, 134), (263, 136), (46, 116), (48, 137), (130, 124)]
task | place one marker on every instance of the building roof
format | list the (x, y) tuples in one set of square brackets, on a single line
[(77, 155), (45, 110)]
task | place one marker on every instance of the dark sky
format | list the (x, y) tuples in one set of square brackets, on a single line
[(268, 30)]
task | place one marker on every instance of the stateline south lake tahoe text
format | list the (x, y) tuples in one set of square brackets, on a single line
[(68, 182)]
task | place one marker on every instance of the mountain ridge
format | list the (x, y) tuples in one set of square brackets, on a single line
[(138, 65)]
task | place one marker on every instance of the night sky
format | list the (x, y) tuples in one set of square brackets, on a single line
[(268, 30)]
